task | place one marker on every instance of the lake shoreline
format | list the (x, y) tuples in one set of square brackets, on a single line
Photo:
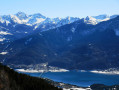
[(65, 70), (66, 86), (40, 71), (77, 80)]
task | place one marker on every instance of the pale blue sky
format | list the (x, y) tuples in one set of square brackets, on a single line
[(60, 8)]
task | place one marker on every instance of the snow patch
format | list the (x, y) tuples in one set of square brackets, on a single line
[(25, 32), (73, 30), (3, 53), (96, 19), (2, 39), (39, 20), (28, 40), (4, 33)]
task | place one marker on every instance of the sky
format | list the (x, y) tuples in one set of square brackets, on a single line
[(60, 8)]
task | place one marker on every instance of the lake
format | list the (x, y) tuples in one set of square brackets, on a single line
[(83, 79)]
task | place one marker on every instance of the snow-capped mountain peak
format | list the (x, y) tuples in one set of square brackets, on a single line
[(38, 20), (90, 20), (97, 19), (21, 15)]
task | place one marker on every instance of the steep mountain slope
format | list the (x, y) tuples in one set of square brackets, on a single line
[(73, 46), (19, 25), (44, 46)]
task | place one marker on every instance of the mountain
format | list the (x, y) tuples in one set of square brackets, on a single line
[(34, 19), (97, 19), (70, 43), (76, 45), (38, 19), (19, 25)]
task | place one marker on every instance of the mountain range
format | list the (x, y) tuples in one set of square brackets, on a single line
[(71, 42), (20, 24)]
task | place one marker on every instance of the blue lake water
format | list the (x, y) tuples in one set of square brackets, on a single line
[(80, 78)]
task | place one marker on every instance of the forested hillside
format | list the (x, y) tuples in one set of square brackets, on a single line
[(11, 80)]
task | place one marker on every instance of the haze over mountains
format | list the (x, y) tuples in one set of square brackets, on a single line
[(71, 42)]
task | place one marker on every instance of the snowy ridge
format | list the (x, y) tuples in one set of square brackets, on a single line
[(38, 19), (35, 19), (97, 19)]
